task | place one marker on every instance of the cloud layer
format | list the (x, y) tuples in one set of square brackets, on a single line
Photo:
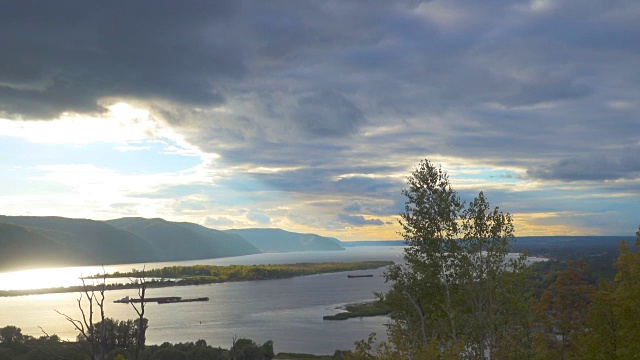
[(324, 107)]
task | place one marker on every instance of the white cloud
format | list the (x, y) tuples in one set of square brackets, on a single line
[(541, 5)]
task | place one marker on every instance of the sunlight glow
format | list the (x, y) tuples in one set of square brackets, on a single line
[(46, 278), (123, 124)]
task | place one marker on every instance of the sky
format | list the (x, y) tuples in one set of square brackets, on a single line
[(309, 115)]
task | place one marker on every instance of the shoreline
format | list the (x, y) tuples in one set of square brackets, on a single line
[(283, 271)]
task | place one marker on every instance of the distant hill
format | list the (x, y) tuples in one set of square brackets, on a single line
[(538, 244), (30, 241), (572, 246), (80, 241), (185, 241), (22, 248), (33, 241), (564, 241), (277, 240)]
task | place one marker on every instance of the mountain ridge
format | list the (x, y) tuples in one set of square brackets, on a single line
[(278, 240), (42, 241)]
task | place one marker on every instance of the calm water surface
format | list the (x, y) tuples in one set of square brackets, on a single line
[(287, 311)]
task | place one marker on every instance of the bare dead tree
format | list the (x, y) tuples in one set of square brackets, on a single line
[(85, 325), (232, 351), (142, 288), (100, 303)]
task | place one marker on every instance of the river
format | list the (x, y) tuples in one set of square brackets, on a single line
[(287, 311)]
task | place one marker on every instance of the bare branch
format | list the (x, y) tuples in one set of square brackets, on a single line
[(142, 288), (44, 332), (416, 304), (100, 304), (76, 323)]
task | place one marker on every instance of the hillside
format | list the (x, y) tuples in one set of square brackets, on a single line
[(22, 248), (35, 241), (228, 244), (185, 241), (85, 241), (277, 240), (32, 241)]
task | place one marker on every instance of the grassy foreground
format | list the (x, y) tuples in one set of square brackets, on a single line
[(209, 274)]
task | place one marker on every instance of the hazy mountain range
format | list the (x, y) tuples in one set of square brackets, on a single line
[(33, 241), (275, 240)]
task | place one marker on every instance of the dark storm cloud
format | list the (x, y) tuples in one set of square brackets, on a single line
[(347, 87), (538, 92), (625, 164), (318, 180), (358, 220), (67, 55), (327, 113)]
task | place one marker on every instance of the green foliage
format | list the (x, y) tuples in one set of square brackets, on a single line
[(16, 346), (563, 309), (169, 354), (118, 333), (603, 338), (246, 349), (11, 337), (456, 294), (6, 354), (612, 321)]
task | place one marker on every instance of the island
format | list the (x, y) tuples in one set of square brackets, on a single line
[(207, 274), (367, 309)]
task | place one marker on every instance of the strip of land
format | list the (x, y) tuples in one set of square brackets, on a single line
[(374, 308), (208, 274)]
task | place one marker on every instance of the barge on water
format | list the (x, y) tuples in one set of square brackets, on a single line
[(359, 276), (159, 300), (183, 300)]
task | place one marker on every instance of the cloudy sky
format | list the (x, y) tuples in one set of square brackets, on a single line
[(309, 115)]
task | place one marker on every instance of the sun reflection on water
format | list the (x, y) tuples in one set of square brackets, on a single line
[(47, 278)]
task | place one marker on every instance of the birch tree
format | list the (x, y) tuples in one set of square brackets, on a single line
[(453, 296), (494, 288)]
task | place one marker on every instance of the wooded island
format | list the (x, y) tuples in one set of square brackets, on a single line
[(208, 274)]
